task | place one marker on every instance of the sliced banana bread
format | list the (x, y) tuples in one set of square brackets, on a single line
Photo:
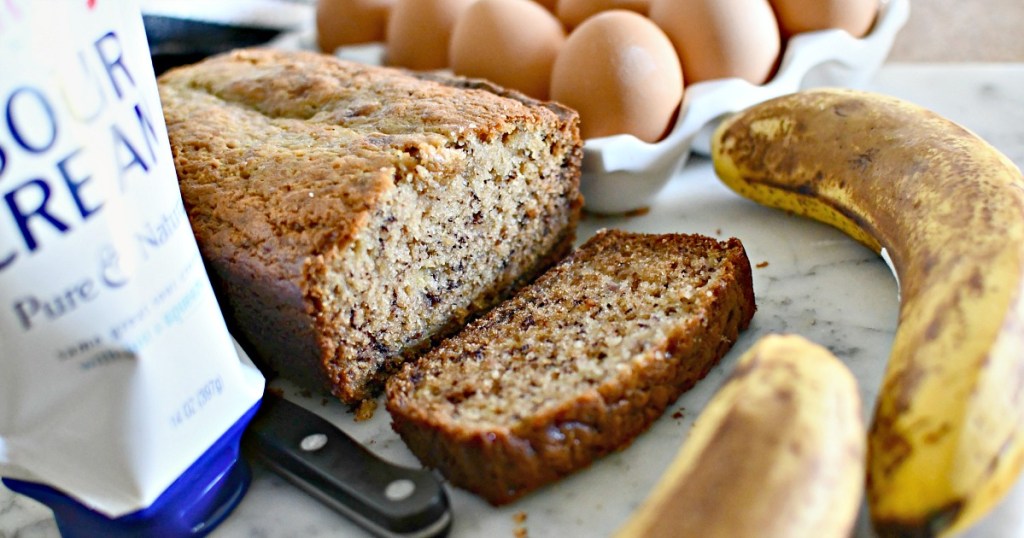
[(575, 365), (352, 214)]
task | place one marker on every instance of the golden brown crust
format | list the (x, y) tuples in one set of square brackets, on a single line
[(248, 117), (292, 164), (513, 402)]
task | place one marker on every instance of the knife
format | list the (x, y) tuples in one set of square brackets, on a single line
[(174, 41), (385, 499)]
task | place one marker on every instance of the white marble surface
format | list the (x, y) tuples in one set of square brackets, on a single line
[(811, 280)]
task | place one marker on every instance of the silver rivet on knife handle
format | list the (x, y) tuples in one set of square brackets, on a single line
[(313, 442), (400, 489)]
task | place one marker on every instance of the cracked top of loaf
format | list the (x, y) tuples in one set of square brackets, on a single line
[(286, 123)]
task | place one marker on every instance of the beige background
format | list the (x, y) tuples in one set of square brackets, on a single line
[(962, 31)]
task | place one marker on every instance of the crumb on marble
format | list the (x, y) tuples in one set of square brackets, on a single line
[(366, 409), (762, 265), (520, 531)]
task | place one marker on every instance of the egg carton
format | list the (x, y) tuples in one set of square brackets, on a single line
[(622, 173)]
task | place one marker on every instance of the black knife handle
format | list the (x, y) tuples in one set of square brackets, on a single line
[(383, 498)]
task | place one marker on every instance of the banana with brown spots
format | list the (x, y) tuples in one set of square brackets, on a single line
[(778, 452), (947, 211)]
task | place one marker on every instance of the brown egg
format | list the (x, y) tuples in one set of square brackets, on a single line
[(510, 42), (419, 31), (620, 72), (548, 4), (572, 12), (349, 22), (721, 38), (854, 16)]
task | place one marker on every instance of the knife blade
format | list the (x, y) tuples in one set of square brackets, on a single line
[(385, 499), (174, 41)]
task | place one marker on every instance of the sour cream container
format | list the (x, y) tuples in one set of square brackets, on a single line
[(122, 394)]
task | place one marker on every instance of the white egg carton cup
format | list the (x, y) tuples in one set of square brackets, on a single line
[(622, 173)]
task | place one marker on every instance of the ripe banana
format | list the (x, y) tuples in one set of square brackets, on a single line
[(777, 452), (947, 438)]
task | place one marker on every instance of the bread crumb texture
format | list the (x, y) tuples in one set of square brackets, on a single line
[(352, 215), (577, 364)]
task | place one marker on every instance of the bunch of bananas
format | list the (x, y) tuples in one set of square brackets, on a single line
[(946, 210)]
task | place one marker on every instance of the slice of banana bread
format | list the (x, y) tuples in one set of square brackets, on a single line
[(575, 365), (351, 214)]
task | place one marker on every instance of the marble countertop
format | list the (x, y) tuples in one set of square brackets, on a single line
[(810, 279), (984, 30)]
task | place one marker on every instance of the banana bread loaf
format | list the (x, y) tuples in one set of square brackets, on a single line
[(350, 215), (577, 364)]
